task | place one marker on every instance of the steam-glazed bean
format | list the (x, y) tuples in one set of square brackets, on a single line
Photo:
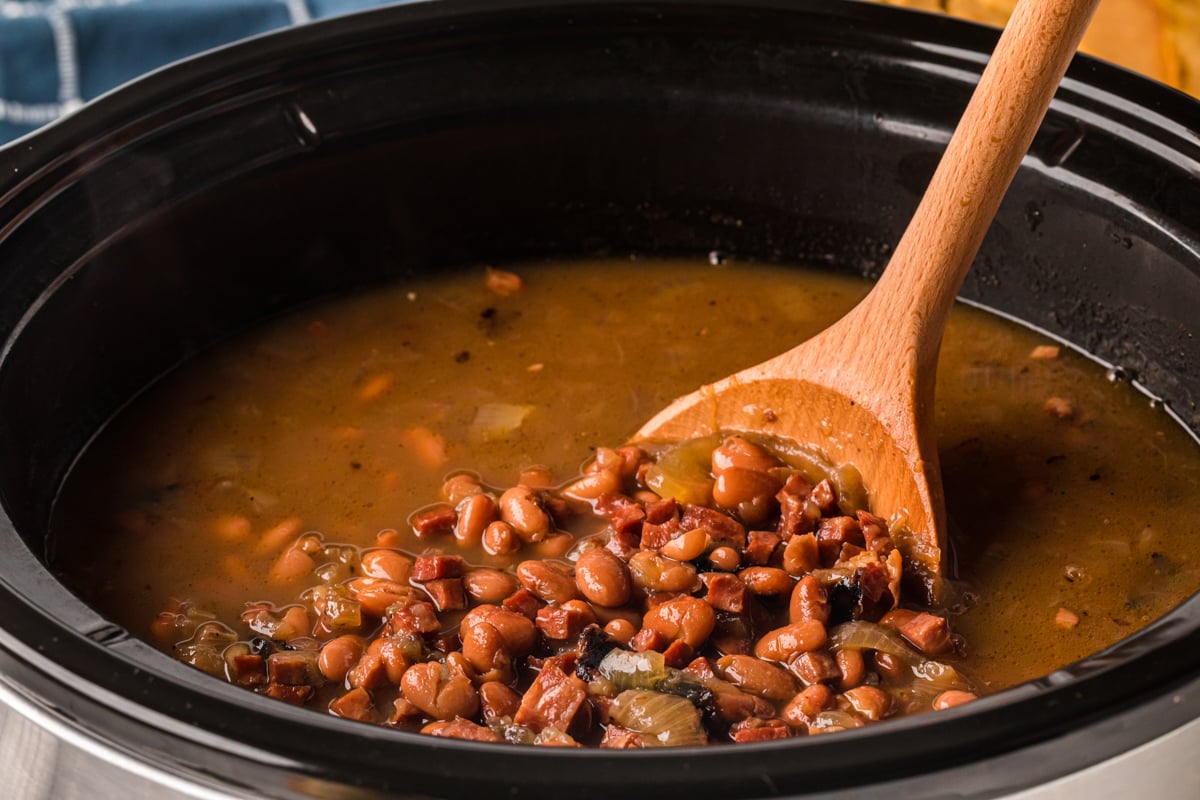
[(801, 554), (474, 515), (806, 705), (555, 545), (499, 539), (724, 558), (766, 580), (603, 578), (756, 676), (852, 667), (784, 644), (485, 585), (484, 647), (459, 487), (388, 564), (686, 619), (338, 656), (869, 701), (497, 700), (552, 581), (519, 507), (653, 573), (808, 601), (620, 629), (439, 692), (517, 630), (536, 477), (376, 595), (750, 493), (737, 452), (688, 546), (591, 486), (952, 698)]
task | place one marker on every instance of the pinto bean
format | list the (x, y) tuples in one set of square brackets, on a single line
[(869, 701), (475, 513), (517, 630), (552, 581), (376, 595), (686, 618), (555, 545), (806, 705), (485, 649), (498, 700), (439, 692), (536, 477), (387, 564), (603, 578), (620, 629), (519, 507), (395, 656), (749, 492), (338, 656), (852, 666), (808, 601), (484, 585), (688, 546), (499, 539), (758, 677), (801, 555), (952, 698), (459, 487), (724, 558), (737, 452), (766, 580), (784, 644), (654, 573), (592, 485), (889, 665)]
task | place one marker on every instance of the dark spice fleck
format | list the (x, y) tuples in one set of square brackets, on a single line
[(355, 465), (462, 357)]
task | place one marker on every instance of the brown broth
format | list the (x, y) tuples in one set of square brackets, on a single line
[(324, 418)]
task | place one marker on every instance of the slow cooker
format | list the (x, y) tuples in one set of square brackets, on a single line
[(218, 192)]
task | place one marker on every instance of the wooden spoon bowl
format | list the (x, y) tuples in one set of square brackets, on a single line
[(861, 392)]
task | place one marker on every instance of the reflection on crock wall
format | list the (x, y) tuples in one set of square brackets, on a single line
[(1158, 38)]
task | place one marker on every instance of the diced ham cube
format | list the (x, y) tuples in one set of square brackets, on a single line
[(447, 594), (724, 529), (553, 700), (434, 521), (432, 568), (929, 633), (726, 592), (354, 704)]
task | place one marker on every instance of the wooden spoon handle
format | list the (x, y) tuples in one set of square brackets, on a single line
[(996, 130)]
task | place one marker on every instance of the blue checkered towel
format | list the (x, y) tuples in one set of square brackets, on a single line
[(56, 55)]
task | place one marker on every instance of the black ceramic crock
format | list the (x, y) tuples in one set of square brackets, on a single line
[(207, 196)]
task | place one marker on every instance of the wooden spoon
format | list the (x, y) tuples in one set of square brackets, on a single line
[(861, 392)]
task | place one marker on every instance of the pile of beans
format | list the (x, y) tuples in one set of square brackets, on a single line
[(743, 605)]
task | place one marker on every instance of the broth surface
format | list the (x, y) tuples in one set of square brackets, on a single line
[(345, 418)]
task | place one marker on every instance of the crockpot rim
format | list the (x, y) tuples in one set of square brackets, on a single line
[(38, 169)]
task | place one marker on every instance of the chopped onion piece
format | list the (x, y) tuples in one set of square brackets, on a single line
[(685, 471), (834, 718), (496, 420), (628, 669), (863, 635), (664, 719)]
